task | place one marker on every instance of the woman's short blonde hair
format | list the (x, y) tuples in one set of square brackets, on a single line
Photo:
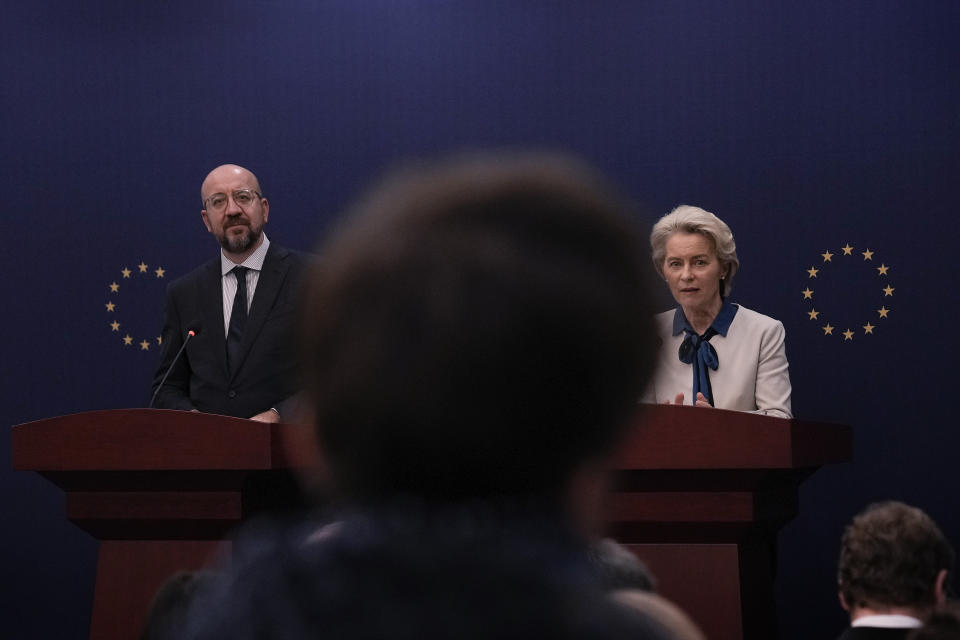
[(687, 219)]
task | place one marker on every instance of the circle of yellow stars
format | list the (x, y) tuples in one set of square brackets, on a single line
[(882, 312), (112, 307)]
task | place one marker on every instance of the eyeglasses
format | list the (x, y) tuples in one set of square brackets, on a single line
[(243, 198)]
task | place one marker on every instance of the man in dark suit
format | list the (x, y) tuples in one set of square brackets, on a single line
[(240, 308), (895, 565)]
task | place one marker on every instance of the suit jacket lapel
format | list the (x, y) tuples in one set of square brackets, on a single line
[(268, 286), (211, 307)]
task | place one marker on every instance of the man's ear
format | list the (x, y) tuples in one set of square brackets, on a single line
[(266, 209), (843, 602), (206, 220), (940, 587)]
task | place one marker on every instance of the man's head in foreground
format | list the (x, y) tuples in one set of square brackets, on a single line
[(893, 560), (479, 330)]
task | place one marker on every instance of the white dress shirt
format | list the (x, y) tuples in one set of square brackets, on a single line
[(888, 621), (254, 263)]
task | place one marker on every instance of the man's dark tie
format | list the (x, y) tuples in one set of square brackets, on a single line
[(238, 318)]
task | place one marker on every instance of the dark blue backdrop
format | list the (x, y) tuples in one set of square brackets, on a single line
[(806, 126)]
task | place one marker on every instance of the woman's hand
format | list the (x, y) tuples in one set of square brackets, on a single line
[(677, 400), (701, 400)]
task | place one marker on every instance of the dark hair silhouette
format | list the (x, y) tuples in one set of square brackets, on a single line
[(477, 329)]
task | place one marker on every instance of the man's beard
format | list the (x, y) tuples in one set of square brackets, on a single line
[(234, 243)]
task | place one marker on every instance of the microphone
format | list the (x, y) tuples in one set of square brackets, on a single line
[(190, 334)]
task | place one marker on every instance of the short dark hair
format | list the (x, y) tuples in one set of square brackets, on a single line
[(890, 555), (477, 328)]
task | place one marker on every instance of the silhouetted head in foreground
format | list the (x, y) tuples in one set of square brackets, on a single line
[(478, 329)]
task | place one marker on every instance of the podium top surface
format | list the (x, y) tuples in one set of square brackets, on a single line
[(687, 437), (148, 440), (662, 438)]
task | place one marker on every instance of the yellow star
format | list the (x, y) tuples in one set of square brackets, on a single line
[(115, 325), (868, 328), (144, 345), (159, 271), (142, 266), (828, 330), (847, 249), (159, 339), (125, 272), (868, 255), (848, 335), (807, 293), (883, 269), (114, 287), (883, 311), (813, 272), (827, 256), (127, 340), (110, 306), (813, 313), (888, 290)]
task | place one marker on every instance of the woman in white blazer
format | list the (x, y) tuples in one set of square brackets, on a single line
[(713, 353)]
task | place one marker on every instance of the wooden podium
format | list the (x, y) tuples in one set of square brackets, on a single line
[(701, 496), (159, 489)]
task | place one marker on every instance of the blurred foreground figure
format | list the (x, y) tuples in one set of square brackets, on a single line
[(895, 567), (474, 344)]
